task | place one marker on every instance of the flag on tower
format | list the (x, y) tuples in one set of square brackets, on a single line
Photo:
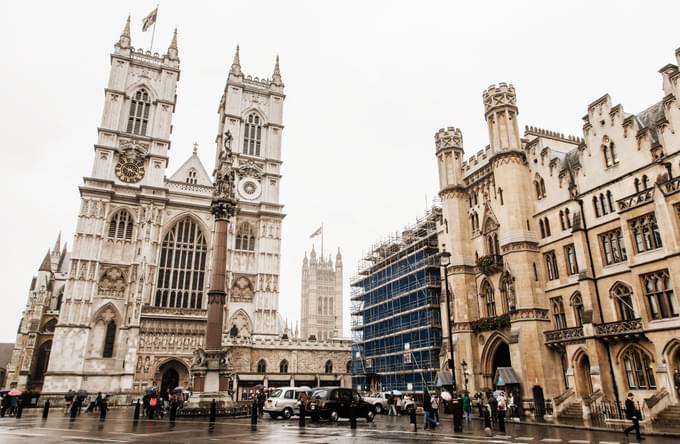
[(317, 232), (149, 19)]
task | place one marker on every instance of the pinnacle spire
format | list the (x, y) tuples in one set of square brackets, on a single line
[(46, 264), (124, 40), (172, 49), (57, 244), (276, 77), (236, 64)]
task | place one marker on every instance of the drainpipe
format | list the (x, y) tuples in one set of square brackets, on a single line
[(599, 305)]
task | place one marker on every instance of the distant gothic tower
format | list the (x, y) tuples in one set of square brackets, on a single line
[(321, 307)]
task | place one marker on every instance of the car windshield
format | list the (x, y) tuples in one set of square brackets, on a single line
[(276, 393), (320, 394)]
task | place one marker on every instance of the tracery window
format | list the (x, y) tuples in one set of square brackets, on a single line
[(120, 226), (539, 184), (138, 119), (252, 135), (261, 366), (283, 366), (551, 265), (660, 297), (646, 233), (624, 302), (611, 158), (577, 305), (613, 247), (182, 267), (191, 177), (570, 257), (109, 339), (492, 245), (245, 237), (559, 316), (328, 367), (639, 369), (489, 299)]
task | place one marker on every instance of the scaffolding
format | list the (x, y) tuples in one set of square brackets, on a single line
[(396, 324)]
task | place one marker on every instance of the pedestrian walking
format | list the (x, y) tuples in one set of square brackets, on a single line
[(676, 380), (427, 409), (98, 401), (493, 408), (399, 404), (502, 408), (391, 409), (633, 414), (435, 408), (467, 407)]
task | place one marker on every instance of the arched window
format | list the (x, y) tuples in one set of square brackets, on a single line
[(607, 159), (567, 217), (639, 369), (50, 326), (262, 366), (328, 368), (596, 206), (138, 119), (181, 268), (492, 246), (624, 302), (564, 227), (252, 135), (192, 177), (109, 340), (612, 154), (546, 223), (610, 201), (283, 366), (577, 305), (120, 226), (541, 227), (539, 184), (489, 299), (645, 182), (636, 182), (507, 288), (245, 237), (42, 359), (542, 182), (559, 318), (349, 367)]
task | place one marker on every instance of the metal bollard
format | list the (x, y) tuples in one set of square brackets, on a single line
[(46, 409), (136, 417), (253, 413), (103, 407), (302, 414), (353, 416), (173, 410), (457, 415), (213, 410), (414, 425)]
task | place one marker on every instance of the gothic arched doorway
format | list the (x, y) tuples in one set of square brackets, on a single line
[(584, 382), (501, 357), (169, 380), (41, 361)]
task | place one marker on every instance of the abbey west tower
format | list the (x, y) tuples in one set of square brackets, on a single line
[(133, 307)]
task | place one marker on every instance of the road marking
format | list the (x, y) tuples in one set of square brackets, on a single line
[(579, 441), (525, 438), (557, 440), (609, 442)]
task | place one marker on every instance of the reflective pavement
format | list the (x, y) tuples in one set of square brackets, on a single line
[(119, 427)]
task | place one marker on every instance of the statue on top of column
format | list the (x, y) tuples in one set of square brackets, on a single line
[(224, 197)]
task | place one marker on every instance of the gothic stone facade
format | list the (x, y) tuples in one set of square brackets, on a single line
[(321, 301), (129, 302), (565, 250)]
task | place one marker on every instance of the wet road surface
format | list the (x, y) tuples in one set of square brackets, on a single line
[(120, 428)]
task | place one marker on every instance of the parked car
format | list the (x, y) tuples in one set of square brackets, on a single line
[(379, 401), (284, 402), (334, 403)]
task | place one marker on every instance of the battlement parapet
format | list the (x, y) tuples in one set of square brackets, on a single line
[(450, 137), (532, 130), (499, 95)]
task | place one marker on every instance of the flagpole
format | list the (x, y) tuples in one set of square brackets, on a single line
[(322, 239), (153, 33)]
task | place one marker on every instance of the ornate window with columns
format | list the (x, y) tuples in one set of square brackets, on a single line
[(559, 317), (489, 298), (639, 369), (120, 225), (181, 268), (646, 233), (245, 237), (660, 297), (138, 118), (252, 135), (624, 302)]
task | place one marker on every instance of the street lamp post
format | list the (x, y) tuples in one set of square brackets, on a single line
[(445, 261), (464, 365)]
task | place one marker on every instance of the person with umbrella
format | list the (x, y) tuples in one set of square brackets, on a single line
[(13, 401), (68, 398)]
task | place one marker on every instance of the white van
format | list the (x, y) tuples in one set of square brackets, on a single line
[(282, 402)]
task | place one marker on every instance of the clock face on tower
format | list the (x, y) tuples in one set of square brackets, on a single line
[(130, 166), (249, 188)]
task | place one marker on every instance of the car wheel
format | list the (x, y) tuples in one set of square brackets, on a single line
[(378, 409), (369, 416), (274, 415), (287, 413), (333, 416)]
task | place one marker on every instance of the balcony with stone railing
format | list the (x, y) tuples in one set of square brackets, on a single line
[(619, 330), (637, 199), (490, 323), (563, 336), (490, 264), (670, 186)]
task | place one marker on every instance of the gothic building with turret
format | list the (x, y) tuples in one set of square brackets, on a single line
[(126, 307), (564, 253), (321, 301)]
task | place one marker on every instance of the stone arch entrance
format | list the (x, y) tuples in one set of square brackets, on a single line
[(672, 355), (41, 359), (584, 381), (171, 374), (496, 354)]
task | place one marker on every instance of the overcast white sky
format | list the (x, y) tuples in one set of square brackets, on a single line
[(367, 84)]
